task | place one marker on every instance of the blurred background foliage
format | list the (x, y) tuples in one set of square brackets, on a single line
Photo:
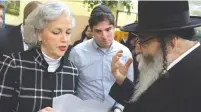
[(125, 5)]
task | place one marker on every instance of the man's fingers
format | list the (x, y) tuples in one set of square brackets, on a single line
[(117, 56), (121, 51), (116, 63), (130, 60)]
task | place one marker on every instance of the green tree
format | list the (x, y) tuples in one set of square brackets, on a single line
[(116, 5)]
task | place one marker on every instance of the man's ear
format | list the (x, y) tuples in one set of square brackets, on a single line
[(173, 42)]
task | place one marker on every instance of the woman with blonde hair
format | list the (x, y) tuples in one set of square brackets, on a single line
[(29, 80)]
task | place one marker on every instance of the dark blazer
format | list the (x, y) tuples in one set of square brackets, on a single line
[(25, 75), (68, 50), (180, 91), (11, 40)]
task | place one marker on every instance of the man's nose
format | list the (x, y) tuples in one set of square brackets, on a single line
[(104, 34), (65, 38)]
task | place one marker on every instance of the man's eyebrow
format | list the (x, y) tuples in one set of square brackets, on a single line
[(104, 29), (97, 30), (108, 28)]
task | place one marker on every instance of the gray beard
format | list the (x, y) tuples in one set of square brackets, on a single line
[(150, 68)]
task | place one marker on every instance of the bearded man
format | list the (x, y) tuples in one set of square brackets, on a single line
[(169, 61)]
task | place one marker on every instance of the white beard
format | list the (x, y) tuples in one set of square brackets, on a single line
[(149, 68)]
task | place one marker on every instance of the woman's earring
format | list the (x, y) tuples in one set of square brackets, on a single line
[(38, 43)]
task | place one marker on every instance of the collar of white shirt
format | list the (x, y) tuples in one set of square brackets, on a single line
[(97, 47), (24, 44), (182, 56)]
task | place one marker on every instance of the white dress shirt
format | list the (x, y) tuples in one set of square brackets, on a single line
[(24, 44)]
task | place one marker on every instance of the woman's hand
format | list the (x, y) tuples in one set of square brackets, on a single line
[(47, 109)]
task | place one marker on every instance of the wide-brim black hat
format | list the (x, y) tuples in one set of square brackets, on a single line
[(163, 16)]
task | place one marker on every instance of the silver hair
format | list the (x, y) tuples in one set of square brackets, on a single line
[(39, 18)]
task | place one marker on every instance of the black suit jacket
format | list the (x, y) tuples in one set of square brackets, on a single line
[(179, 92), (11, 40)]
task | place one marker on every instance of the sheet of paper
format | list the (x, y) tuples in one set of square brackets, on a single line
[(71, 103)]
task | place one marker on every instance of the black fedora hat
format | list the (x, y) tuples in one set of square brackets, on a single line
[(163, 16)]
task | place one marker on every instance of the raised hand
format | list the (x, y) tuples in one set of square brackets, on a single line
[(119, 70)]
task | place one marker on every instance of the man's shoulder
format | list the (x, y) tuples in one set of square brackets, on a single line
[(77, 42), (84, 45), (82, 50), (5, 33), (118, 45)]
